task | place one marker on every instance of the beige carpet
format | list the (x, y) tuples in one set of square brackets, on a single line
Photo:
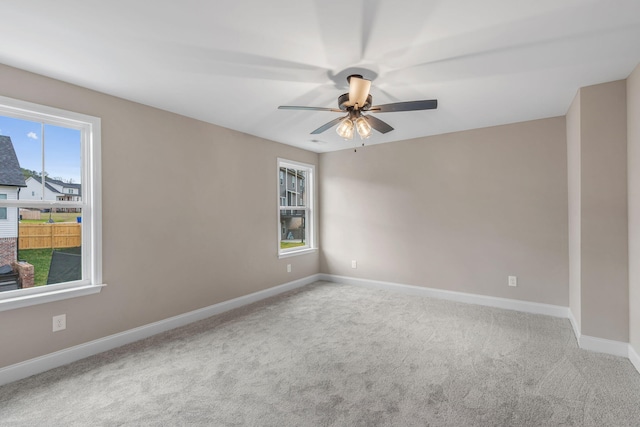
[(336, 355)]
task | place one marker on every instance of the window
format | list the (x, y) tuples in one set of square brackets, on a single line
[(295, 208), (3, 211), (43, 146)]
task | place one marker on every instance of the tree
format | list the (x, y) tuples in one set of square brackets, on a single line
[(27, 173)]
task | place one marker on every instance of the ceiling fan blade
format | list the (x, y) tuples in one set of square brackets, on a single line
[(329, 125), (294, 107), (378, 124), (358, 90), (429, 104)]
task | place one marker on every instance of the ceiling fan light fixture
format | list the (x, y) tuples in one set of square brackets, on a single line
[(363, 127), (345, 129)]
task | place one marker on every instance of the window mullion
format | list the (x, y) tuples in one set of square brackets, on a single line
[(42, 174)]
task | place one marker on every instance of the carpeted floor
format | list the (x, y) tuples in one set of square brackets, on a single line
[(337, 355)]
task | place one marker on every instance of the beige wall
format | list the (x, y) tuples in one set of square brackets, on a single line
[(459, 212), (189, 219), (633, 138), (603, 201), (573, 173)]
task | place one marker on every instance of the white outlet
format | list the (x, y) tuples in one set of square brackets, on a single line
[(513, 281), (59, 322), (288, 268), (354, 263)]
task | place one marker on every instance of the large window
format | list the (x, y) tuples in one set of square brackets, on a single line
[(295, 208), (52, 241)]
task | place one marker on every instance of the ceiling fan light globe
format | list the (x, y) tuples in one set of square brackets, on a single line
[(345, 129), (363, 127)]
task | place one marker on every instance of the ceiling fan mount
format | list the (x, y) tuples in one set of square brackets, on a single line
[(343, 103), (359, 100)]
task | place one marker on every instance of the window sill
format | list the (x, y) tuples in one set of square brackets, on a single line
[(296, 253), (21, 301)]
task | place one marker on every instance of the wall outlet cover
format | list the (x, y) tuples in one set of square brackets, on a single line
[(59, 322)]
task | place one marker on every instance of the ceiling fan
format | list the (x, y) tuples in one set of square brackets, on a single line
[(358, 101)]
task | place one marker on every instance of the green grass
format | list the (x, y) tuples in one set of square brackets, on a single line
[(41, 260), (286, 245)]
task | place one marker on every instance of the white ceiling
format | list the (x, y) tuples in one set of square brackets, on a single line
[(232, 63)]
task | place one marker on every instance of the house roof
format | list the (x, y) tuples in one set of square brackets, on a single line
[(49, 181), (10, 172), (46, 184), (64, 184)]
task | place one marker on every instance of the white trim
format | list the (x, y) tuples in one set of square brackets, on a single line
[(634, 358), (508, 304), (296, 253), (59, 358), (26, 300), (574, 325), (601, 345)]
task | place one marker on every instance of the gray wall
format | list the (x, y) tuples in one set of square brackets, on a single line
[(604, 294), (633, 137), (177, 233), (598, 234), (459, 212)]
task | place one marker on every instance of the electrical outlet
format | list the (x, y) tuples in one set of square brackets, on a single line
[(354, 263), (288, 268), (513, 281), (59, 322)]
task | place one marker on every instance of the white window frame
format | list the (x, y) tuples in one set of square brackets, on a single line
[(91, 204), (310, 220)]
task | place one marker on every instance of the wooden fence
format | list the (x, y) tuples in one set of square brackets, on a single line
[(56, 235), (29, 214)]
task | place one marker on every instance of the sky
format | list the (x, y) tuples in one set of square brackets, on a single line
[(61, 147)]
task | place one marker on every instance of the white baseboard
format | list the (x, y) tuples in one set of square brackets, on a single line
[(508, 304), (601, 345), (59, 358), (575, 326), (634, 358)]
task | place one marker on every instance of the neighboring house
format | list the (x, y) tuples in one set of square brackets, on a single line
[(53, 190), (11, 184)]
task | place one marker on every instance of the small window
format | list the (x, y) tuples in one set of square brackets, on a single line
[(3, 211), (295, 211)]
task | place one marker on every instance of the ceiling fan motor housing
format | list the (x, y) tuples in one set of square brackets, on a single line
[(343, 101)]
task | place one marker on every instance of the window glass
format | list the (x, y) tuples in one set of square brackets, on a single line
[(295, 223), (3, 211)]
